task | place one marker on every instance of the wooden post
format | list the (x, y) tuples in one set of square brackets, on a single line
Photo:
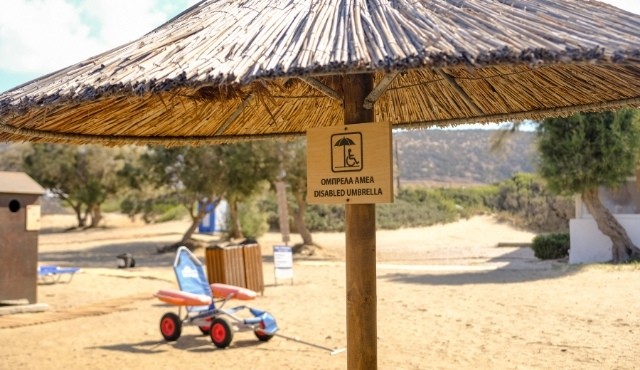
[(360, 220)]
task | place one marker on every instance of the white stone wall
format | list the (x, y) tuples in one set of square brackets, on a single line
[(589, 245)]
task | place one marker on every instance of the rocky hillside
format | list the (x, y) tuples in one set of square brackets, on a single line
[(434, 156), (461, 156)]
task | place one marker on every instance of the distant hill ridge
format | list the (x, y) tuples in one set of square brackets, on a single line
[(462, 156), (457, 156)]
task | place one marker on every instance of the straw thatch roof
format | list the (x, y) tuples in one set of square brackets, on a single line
[(226, 69)]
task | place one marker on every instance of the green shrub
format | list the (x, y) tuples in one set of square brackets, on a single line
[(403, 213), (551, 246), (152, 207), (252, 221), (472, 200), (325, 217), (418, 207), (526, 201), (172, 214), (522, 199), (110, 205)]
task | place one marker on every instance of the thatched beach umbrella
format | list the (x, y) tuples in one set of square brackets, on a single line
[(228, 70)]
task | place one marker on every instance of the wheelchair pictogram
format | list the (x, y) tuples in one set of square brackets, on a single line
[(346, 152)]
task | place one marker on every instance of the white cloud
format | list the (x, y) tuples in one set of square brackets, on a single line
[(41, 36), (121, 21), (632, 6)]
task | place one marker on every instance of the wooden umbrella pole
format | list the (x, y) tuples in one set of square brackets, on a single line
[(360, 220)]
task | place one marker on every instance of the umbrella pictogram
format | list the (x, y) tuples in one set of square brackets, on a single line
[(345, 141), (348, 159)]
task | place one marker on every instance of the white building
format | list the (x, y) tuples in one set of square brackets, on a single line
[(588, 244)]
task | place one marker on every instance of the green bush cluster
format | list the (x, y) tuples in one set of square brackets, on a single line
[(325, 217), (526, 202), (252, 221), (152, 209), (415, 207), (171, 213), (471, 201), (551, 246), (522, 200)]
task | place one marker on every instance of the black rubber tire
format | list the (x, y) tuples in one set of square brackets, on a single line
[(170, 326), (221, 333), (205, 330), (261, 335)]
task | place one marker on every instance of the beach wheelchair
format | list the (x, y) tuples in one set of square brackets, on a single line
[(204, 306)]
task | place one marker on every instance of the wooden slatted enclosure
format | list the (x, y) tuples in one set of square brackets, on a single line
[(225, 265), (253, 267), (239, 265)]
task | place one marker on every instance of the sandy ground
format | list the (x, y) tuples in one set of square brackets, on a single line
[(448, 298)]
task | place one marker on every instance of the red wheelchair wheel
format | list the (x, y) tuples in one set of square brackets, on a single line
[(170, 326), (221, 333)]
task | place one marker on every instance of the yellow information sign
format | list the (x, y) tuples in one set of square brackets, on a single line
[(350, 164)]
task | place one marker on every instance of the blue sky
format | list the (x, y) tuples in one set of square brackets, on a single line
[(42, 36)]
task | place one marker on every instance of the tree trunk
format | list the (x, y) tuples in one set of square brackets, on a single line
[(196, 219), (82, 219), (77, 208), (397, 167), (622, 248), (192, 228), (298, 218), (235, 230), (96, 215), (87, 212)]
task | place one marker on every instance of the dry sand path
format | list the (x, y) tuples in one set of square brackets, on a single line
[(447, 299)]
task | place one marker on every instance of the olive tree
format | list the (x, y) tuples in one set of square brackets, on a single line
[(294, 162), (582, 152), (190, 174), (203, 175), (82, 176), (244, 167)]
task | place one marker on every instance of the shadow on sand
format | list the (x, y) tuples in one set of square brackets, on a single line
[(191, 343), (519, 268), (197, 343), (145, 255)]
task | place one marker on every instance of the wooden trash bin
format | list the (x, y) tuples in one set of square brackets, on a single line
[(225, 265), (253, 267), (239, 265)]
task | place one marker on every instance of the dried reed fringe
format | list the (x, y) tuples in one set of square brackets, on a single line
[(21, 134)]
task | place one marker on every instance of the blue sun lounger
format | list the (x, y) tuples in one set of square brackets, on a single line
[(49, 274)]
